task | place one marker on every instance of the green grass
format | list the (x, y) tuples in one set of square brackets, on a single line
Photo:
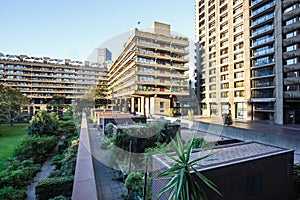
[(10, 137)]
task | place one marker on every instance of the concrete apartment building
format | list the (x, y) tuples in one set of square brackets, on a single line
[(40, 79), (148, 77), (250, 58)]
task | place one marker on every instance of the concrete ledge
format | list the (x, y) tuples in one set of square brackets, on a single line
[(84, 181)]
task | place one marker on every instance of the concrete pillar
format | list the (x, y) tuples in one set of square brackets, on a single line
[(147, 106), (139, 105), (126, 105), (142, 105), (132, 104)]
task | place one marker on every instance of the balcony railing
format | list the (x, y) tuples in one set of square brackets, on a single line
[(265, 62), (255, 2), (262, 19), (263, 8), (266, 51), (259, 42)]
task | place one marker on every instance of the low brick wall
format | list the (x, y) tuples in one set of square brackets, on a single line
[(84, 181)]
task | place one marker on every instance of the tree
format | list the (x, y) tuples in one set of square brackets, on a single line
[(182, 183), (11, 101), (43, 123), (57, 104)]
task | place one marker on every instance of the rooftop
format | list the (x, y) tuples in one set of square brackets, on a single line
[(228, 155)]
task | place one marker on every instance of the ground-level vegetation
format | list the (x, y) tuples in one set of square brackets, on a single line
[(10, 137), (44, 132)]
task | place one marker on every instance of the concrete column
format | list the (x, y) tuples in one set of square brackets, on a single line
[(139, 105), (142, 105), (132, 104), (126, 105), (147, 106)]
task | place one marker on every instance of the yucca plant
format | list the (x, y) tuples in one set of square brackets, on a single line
[(182, 176)]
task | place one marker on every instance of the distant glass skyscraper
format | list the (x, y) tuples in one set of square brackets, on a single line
[(251, 58)]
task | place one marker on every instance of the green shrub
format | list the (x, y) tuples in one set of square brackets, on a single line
[(19, 174), (135, 184), (106, 142), (69, 161), (109, 129), (61, 197), (9, 193), (57, 160), (199, 142), (67, 128), (43, 123), (35, 147), (53, 187)]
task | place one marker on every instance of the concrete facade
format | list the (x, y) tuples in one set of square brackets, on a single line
[(149, 68), (251, 58)]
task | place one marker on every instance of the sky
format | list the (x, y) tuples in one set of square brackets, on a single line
[(74, 28)]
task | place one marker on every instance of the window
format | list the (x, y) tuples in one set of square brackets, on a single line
[(161, 106), (291, 21), (291, 48), (224, 94), (291, 34), (239, 93), (290, 8), (291, 61), (224, 85), (212, 87), (224, 69)]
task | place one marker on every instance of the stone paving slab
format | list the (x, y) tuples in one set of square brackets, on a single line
[(107, 188)]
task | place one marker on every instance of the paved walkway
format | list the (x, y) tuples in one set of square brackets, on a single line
[(265, 126), (107, 188), (46, 169)]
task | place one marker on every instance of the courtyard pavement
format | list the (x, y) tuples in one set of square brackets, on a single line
[(261, 126), (107, 188)]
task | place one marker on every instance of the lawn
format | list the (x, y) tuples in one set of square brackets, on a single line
[(9, 139)]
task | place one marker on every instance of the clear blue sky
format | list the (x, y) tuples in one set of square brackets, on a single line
[(73, 28)]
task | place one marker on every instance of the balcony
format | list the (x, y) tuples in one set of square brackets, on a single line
[(291, 94), (287, 3), (264, 52), (263, 41), (291, 54), (262, 72), (290, 41), (263, 8), (263, 85), (291, 27), (291, 80), (264, 63), (256, 2), (262, 19), (291, 68), (291, 14)]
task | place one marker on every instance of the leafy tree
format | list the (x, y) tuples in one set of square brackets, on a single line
[(57, 104), (43, 123), (11, 101), (182, 183)]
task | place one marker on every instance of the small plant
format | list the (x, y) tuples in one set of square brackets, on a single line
[(106, 142), (182, 175), (109, 129), (199, 142), (134, 183)]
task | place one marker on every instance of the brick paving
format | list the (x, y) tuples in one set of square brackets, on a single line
[(107, 188)]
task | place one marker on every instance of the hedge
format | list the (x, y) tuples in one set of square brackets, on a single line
[(9, 193), (58, 186)]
